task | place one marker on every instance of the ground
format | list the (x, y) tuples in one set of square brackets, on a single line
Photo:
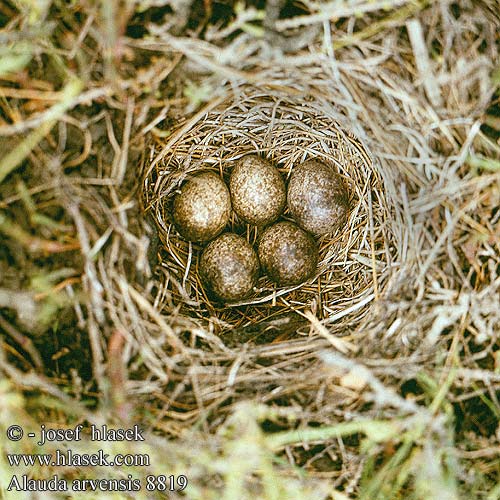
[(380, 379)]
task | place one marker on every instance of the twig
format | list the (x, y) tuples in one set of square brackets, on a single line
[(25, 342), (423, 63)]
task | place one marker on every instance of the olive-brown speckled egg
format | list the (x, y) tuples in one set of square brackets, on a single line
[(287, 253), (229, 267), (258, 191), (202, 208), (317, 198)]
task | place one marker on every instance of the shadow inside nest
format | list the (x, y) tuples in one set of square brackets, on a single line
[(354, 263)]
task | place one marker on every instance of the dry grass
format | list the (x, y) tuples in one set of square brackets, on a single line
[(287, 130), (379, 379)]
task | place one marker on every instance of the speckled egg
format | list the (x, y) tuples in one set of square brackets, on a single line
[(258, 191), (317, 198), (229, 267), (287, 253), (202, 208)]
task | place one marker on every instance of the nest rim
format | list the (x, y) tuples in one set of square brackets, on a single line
[(213, 141)]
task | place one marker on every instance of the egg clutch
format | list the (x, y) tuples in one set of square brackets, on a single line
[(287, 252)]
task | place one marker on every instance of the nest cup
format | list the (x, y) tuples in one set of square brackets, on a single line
[(287, 130)]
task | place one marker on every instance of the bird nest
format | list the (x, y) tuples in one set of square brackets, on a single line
[(287, 129)]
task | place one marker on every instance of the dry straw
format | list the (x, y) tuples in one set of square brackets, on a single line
[(286, 129), (392, 290), (399, 330)]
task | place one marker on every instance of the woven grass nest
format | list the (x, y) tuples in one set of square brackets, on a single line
[(287, 130)]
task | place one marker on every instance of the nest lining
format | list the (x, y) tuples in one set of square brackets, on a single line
[(354, 263)]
